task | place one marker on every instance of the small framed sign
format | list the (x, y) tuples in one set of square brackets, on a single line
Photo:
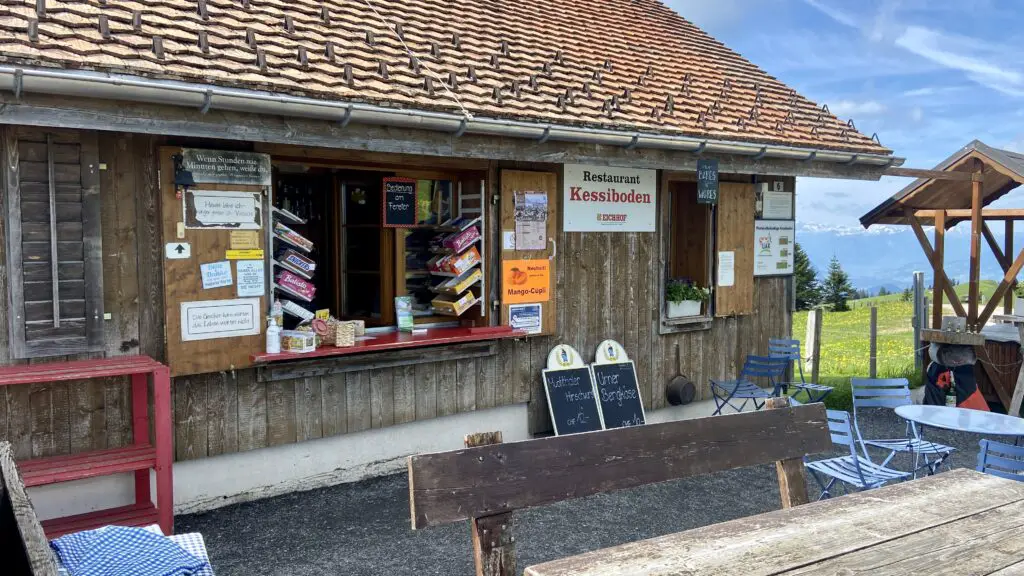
[(399, 203), (707, 181)]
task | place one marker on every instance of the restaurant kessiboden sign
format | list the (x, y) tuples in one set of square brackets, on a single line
[(609, 199)]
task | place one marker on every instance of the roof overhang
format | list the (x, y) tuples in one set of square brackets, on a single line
[(206, 98), (1003, 171)]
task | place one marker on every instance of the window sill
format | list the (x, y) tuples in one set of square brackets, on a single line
[(398, 341), (684, 324)]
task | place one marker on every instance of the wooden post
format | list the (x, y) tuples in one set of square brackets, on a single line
[(920, 317), (924, 319), (494, 548), (18, 521), (791, 472), (975, 271), (1018, 390), (937, 264), (1008, 298), (813, 348), (873, 344)]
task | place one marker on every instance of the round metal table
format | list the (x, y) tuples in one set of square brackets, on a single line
[(963, 420)]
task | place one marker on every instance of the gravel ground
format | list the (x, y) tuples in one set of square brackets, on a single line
[(363, 528)]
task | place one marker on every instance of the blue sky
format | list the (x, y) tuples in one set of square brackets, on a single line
[(928, 76)]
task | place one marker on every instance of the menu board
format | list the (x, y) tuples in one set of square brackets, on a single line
[(619, 395), (707, 181), (399, 203), (571, 401), (774, 244)]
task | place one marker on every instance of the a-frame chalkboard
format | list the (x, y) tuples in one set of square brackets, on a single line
[(569, 386), (617, 390)]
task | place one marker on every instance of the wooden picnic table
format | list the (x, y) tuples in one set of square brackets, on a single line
[(958, 522)]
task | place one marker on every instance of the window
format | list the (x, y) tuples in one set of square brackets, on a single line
[(363, 265), (689, 248)]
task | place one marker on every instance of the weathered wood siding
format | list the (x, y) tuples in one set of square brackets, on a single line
[(607, 287)]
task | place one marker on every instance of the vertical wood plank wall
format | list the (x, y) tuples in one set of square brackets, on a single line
[(607, 287)]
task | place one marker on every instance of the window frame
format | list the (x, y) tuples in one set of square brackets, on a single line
[(704, 321)]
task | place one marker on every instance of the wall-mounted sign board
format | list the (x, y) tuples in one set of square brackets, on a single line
[(399, 203), (195, 166), (525, 281), (707, 181), (609, 199), (774, 245), (210, 319), (775, 205), (219, 210)]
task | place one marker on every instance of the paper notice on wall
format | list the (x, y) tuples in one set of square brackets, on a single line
[(726, 269), (251, 278), (245, 240), (526, 317), (222, 210), (216, 274), (777, 206), (508, 239), (531, 217), (211, 319)]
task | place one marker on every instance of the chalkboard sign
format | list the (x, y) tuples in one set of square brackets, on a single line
[(707, 181), (619, 395), (399, 203), (571, 401)]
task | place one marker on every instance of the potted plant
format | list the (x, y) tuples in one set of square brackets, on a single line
[(684, 298)]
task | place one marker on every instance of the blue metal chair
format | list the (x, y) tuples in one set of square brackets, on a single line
[(853, 470), (893, 393), (1003, 460), (745, 387), (790, 350)]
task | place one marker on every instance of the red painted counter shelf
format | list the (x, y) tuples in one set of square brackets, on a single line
[(400, 340), (145, 453)]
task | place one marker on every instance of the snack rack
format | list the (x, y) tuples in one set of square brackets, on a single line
[(460, 289), (296, 251)]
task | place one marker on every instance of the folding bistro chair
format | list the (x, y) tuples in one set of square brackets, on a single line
[(745, 387), (790, 350), (1003, 460), (853, 470), (893, 393)]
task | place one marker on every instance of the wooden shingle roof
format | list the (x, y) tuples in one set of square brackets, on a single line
[(618, 64)]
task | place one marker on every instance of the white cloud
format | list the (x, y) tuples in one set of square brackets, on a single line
[(916, 114), (961, 53), (850, 108), (837, 15)]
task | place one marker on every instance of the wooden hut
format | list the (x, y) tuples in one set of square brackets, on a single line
[(153, 148)]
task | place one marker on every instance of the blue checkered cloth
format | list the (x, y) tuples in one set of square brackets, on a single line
[(118, 550)]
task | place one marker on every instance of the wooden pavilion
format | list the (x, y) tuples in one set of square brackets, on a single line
[(958, 190)]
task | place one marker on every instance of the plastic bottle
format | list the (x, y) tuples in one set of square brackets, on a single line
[(277, 313), (273, 336)]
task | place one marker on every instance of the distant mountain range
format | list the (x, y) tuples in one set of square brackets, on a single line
[(888, 256)]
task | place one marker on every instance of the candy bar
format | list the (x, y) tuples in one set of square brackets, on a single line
[(460, 240), (296, 284), (292, 236), (299, 261)]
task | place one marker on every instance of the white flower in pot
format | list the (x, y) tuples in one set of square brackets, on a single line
[(684, 298)]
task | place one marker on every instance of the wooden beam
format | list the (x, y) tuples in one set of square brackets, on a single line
[(494, 548), (974, 271), (1018, 389), (1008, 279), (451, 486), (954, 175), (939, 275), (987, 214), (939, 281), (791, 472), (997, 251), (1008, 304), (18, 521)]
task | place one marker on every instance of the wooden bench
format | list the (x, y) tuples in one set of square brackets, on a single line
[(140, 457), (484, 484), (23, 546)]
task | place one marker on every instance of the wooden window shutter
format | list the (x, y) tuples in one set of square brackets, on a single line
[(736, 234), (54, 256)]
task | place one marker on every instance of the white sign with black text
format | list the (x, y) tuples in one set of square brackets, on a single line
[(250, 278), (774, 245), (209, 319), (609, 199)]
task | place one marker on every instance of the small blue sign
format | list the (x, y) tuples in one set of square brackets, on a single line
[(526, 317)]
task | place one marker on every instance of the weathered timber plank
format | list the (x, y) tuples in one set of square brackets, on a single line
[(373, 361), (447, 388), (50, 419), (788, 539), (147, 234), (382, 398), (280, 413), (405, 394), (486, 382), (126, 313), (309, 409), (504, 386), (222, 413), (19, 421), (465, 375), (190, 423), (252, 411), (978, 544), (426, 391), (38, 558), (88, 429), (452, 486), (334, 397), (358, 402), (539, 414), (523, 380)]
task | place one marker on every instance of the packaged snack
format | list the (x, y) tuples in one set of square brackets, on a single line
[(296, 284), (453, 307), (297, 311), (459, 284), (462, 262), (292, 237), (299, 261), (461, 240), (297, 341)]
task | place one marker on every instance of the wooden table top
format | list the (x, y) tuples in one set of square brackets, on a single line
[(958, 522)]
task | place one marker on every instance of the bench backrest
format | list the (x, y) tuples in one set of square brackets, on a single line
[(477, 482), (23, 546)]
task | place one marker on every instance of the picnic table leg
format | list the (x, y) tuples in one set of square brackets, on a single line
[(791, 472), (164, 448), (140, 432), (494, 549)]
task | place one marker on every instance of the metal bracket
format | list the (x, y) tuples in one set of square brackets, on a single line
[(347, 117), (462, 128), (544, 137), (761, 154), (811, 156), (19, 83), (632, 143), (700, 149), (852, 160), (207, 102)]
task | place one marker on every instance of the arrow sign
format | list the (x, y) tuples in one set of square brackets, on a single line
[(178, 250)]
